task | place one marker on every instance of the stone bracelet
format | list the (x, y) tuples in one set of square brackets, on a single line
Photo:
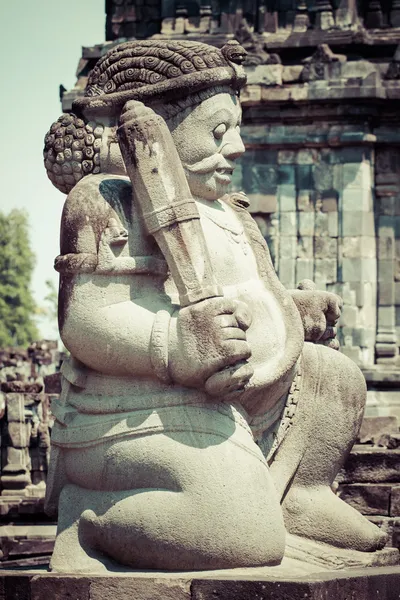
[(159, 346)]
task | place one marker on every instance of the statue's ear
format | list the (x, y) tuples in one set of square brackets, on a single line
[(71, 151)]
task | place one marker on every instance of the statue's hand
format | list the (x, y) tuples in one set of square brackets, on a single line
[(319, 312), (208, 346)]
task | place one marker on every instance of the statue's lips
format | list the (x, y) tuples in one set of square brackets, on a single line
[(224, 175), (212, 165)]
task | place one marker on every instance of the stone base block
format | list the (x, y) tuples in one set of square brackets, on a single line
[(246, 584)]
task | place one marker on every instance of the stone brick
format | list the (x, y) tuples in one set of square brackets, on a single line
[(325, 247), (323, 177), (356, 223), (395, 501), (259, 178), (52, 383), (287, 197), (348, 294), (357, 175), (306, 223), (333, 224), (266, 75), (15, 408), (321, 223), (138, 588), (365, 293), (262, 203), (304, 269), (18, 435), (338, 177), (352, 352), (288, 247), (385, 270), (369, 499), (373, 427), (305, 201), (287, 272), (305, 247), (358, 269), (363, 337), (263, 225), (386, 317), (273, 94), (291, 74), (250, 94), (386, 293), (391, 526), (374, 465), (288, 223), (358, 247), (329, 204), (354, 199), (389, 205), (25, 387), (286, 157), (237, 183), (286, 174), (325, 270), (307, 156), (304, 177), (397, 293), (16, 587), (349, 316)]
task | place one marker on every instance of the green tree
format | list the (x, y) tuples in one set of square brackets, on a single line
[(17, 306)]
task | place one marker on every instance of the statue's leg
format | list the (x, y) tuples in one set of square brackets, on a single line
[(185, 502), (330, 412)]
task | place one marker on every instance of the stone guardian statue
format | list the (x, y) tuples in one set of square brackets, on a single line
[(204, 411)]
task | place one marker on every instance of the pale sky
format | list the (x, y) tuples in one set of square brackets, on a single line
[(40, 47)]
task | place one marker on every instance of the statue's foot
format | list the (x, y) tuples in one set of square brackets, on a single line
[(316, 513)]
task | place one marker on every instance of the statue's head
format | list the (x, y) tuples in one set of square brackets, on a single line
[(193, 86)]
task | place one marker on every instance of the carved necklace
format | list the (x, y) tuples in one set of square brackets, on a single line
[(233, 229)]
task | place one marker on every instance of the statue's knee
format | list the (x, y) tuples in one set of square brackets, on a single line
[(340, 377)]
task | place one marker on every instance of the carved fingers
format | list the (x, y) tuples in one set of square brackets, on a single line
[(334, 305), (230, 381), (320, 311), (209, 339)]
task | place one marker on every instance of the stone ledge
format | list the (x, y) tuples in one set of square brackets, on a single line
[(364, 584)]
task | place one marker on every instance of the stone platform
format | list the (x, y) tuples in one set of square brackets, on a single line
[(237, 584)]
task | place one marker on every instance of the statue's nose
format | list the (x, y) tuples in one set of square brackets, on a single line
[(233, 146)]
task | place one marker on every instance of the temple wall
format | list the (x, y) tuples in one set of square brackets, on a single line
[(315, 207)]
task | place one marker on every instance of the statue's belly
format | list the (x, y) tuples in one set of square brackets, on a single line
[(267, 332)]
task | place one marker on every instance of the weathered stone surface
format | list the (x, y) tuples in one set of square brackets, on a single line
[(52, 383), (193, 241), (373, 427), (361, 584), (25, 387), (369, 499), (371, 465), (395, 501)]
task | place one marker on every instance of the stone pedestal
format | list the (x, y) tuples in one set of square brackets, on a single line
[(368, 584)]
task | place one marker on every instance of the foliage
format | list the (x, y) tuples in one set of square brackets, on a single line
[(17, 306)]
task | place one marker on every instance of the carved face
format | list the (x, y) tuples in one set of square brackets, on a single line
[(208, 142)]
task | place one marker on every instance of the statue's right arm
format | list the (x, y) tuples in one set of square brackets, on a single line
[(105, 318)]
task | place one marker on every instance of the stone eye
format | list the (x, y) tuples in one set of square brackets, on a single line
[(219, 131)]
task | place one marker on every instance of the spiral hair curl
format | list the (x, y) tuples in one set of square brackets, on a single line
[(71, 151)]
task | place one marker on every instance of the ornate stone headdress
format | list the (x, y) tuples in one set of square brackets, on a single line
[(149, 70), (152, 71)]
